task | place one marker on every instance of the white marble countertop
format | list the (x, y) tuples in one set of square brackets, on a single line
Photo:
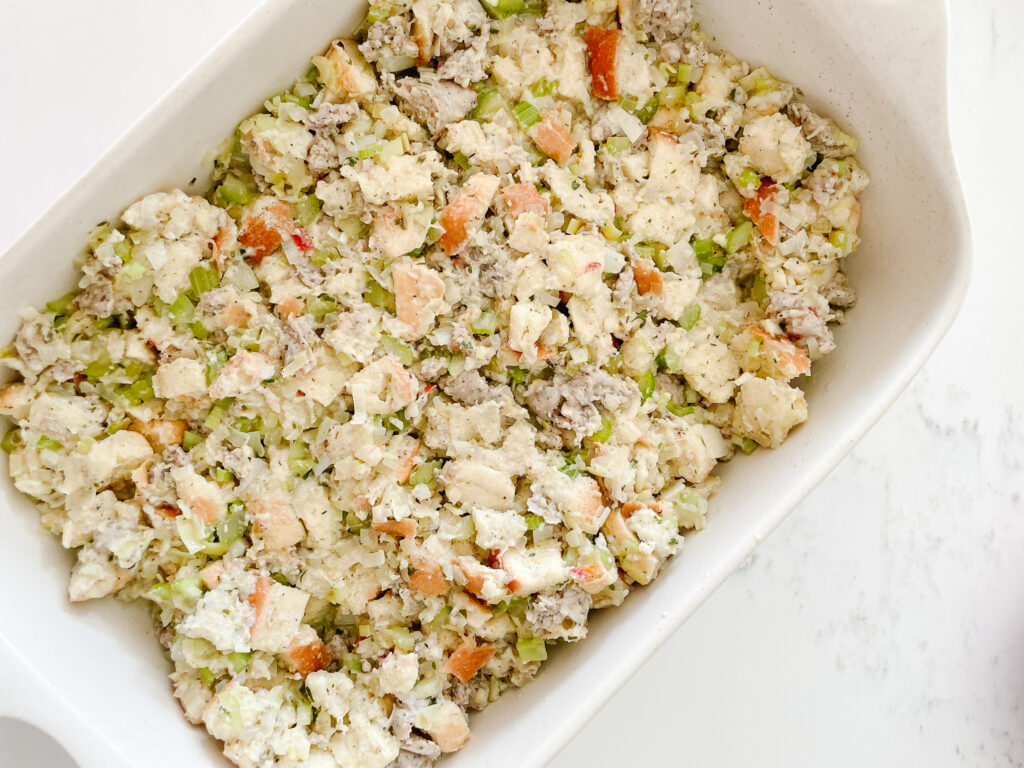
[(883, 623)]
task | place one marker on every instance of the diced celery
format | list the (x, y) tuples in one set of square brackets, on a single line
[(644, 251), (133, 270), (159, 592), (604, 432), (397, 422), (424, 473), (203, 279), (294, 98), (182, 311), (234, 191), (352, 662), (141, 390), (516, 375), (684, 73), (709, 255), (186, 591), (215, 360), (678, 410), (233, 525), (673, 96), (488, 103), (690, 317), (738, 236), (238, 660), (614, 145), (532, 649), (322, 306), (628, 102), (753, 348), (502, 9), (398, 349), (842, 240), (574, 226), (526, 114), (748, 446), (462, 161), (691, 395), (378, 296), (371, 151), (300, 460), (377, 12), (486, 323), (695, 105), (320, 256), (759, 290), (544, 87), (200, 331), (11, 441), (614, 363), (191, 440), (646, 383), (98, 369), (667, 359), (207, 677), (353, 227), (749, 178), (610, 231), (306, 209), (62, 305), (217, 413), (647, 112), (222, 475), (49, 444), (533, 522), (402, 638)]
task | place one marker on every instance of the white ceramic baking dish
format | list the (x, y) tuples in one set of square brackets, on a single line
[(93, 675)]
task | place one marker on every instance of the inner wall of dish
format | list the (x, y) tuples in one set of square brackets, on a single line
[(901, 266)]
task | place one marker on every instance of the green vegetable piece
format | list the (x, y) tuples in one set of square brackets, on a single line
[(352, 662), (488, 104), (239, 661), (191, 440), (748, 446), (62, 305), (517, 375), (759, 290), (11, 441), (604, 432), (486, 324), (159, 592), (678, 410), (673, 96), (134, 270), (738, 236), (186, 591), (646, 383), (502, 9), (233, 525), (222, 475), (628, 102), (749, 178), (614, 363), (200, 331), (207, 677), (97, 369), (234, 191), (544, 87), (306, 209), (533, 522), (371, 150), (322, 306), (667, 359), (398, 349), (842, 240), (532, 649), (647, 112), (217, 413), (690, 317), (684, 73), (203, 279), (182, 311), (49, 444), (424, 473), (378, 296), (526, 114), (615, 145)]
